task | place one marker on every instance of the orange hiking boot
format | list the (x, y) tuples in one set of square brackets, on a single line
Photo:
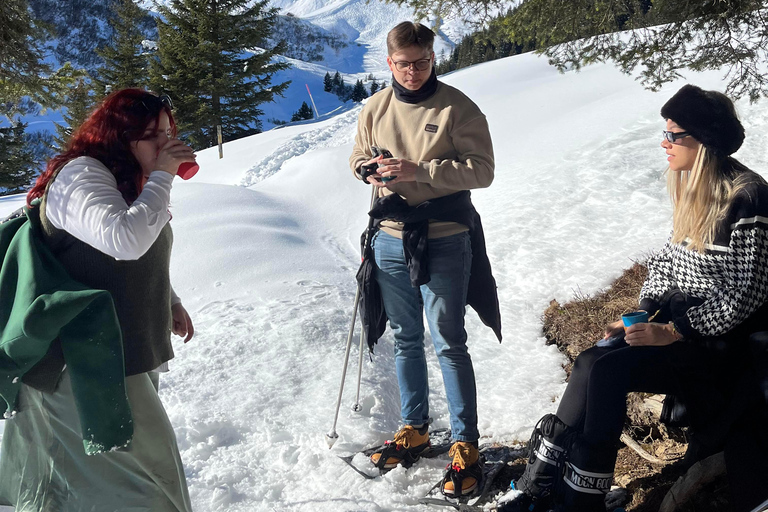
[(404, 449), (465, 472)]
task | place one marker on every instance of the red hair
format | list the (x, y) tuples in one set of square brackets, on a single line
[(106, 135)]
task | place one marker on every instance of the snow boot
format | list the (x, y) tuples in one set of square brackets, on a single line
[(405, 449), (587, 477), (545, 463), (464, 473), (521, 503)]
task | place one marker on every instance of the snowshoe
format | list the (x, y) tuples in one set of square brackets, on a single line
[(463, 474), (405, 449), (439, 443), (492, 460)]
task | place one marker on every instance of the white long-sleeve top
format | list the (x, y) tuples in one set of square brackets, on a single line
[(84, 201)]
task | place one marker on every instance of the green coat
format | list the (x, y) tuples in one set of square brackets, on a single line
[(40, 302)]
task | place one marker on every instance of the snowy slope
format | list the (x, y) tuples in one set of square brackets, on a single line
[(267, 272), (365, 25)]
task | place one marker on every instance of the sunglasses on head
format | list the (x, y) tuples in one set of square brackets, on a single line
[(673, 136), (164, 100)]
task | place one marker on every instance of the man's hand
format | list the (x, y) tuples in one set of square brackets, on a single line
[(182, 324), (373, 178), (650, 334), (398, 169)]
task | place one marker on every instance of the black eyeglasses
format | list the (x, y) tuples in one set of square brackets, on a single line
[(418, 65), (673, 136)]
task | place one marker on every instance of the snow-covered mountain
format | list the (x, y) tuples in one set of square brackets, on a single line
[(363, 24), (348, 36), (267, 272), (352, 34)]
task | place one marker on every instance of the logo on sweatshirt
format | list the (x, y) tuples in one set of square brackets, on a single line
[(431, 128)]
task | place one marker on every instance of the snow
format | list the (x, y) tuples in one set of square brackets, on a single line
[(267, 273), (266, 248), (365, 25)]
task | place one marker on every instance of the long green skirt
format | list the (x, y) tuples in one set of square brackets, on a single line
[(44, 468)]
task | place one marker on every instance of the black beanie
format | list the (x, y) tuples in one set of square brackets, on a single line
[(708, 116)]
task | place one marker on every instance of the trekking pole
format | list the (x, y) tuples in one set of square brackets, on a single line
[(357, 407), (363, 334), (332, 436), (762, 507)]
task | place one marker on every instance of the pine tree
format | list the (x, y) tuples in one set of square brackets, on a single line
[(327, 82), (80, 102), (125, 61), (345, 91), (304, 112), (27, 83), (374, 87), (358, 92), (658, 38), (79, 28), (338, 83), (666, 38), (206, 66), (16, 160)]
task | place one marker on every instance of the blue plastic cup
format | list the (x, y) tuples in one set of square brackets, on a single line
[(636, 317)]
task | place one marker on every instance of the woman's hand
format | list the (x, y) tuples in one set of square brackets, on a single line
[(613, 329), (650, 334), (182, 324), (173, 154)]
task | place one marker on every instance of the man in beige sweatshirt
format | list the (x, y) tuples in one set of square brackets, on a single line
[(441, 146)]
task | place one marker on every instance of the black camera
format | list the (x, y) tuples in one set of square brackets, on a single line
[(386, 154)]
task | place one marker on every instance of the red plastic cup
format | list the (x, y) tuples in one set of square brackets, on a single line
[(187, 170)]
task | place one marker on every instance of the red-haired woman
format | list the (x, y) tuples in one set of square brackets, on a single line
[(104, 214)]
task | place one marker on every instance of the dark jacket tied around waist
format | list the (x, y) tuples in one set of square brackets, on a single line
[(481, 294)]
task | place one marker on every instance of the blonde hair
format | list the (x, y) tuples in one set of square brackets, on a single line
[(700, 197)]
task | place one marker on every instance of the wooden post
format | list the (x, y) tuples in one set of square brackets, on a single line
[(221, 148)]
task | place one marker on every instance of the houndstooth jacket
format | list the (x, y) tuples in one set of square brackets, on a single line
[(730, 277)]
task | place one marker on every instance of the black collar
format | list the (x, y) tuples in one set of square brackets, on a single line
[(425, 91)]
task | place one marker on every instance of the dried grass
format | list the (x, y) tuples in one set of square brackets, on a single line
[(574, 327)]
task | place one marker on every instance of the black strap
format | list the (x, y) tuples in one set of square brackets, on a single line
[(457, 477)]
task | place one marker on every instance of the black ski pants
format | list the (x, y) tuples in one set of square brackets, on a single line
[(594, 401)]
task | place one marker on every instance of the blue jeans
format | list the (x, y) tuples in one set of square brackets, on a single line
[(444, 299)]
